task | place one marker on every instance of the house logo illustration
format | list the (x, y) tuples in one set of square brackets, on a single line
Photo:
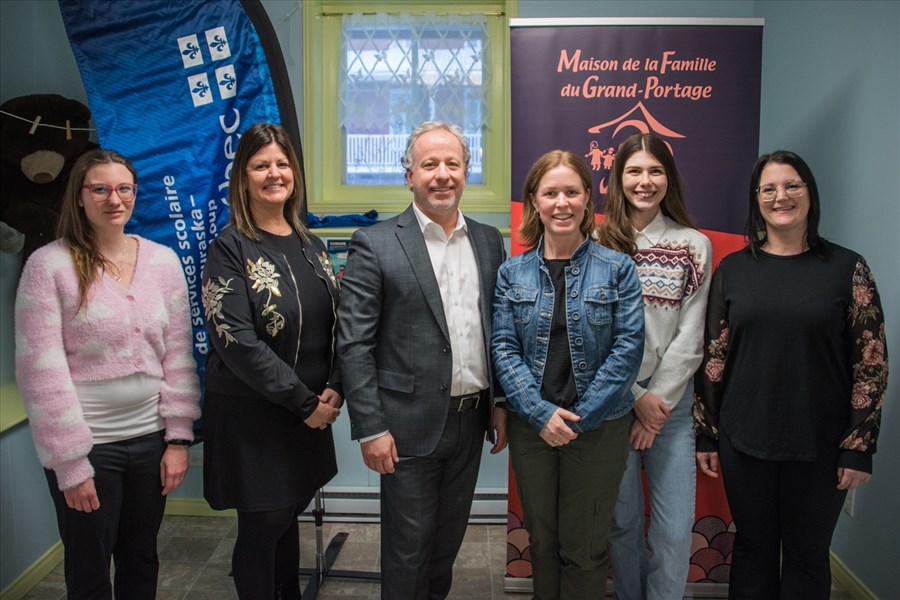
[(192, 56), (637, 118)]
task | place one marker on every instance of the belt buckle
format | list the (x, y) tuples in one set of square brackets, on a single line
[(476, 397), (464, 399)]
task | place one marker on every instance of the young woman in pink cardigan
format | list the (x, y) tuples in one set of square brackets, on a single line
[(104, 365)]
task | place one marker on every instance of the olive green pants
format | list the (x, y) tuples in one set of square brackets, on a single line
[(568, 496)]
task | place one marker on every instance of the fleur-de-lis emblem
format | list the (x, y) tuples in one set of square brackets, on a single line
[(201, 89), (218, 43), (191, 50), (212, 294), (228, 81)]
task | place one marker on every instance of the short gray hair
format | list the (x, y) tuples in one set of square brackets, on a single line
[(407, 161)]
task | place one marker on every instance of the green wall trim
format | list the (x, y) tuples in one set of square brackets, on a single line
[(850, 582), (325, 192), (24, 583), (34, 574), (12, 411)]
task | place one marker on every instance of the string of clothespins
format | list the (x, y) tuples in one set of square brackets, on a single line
[(36, 122)]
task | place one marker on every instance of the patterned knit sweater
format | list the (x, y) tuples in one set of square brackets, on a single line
[(118, 332), (673, 264)]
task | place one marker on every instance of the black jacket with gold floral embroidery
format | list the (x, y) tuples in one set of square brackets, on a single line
[(253, 316)]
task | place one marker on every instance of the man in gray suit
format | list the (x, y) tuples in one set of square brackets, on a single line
[(413, 340)]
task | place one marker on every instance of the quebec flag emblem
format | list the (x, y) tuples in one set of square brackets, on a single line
[(189, 47), (200, 91), (218, 43), (227, 81), (192, 56)]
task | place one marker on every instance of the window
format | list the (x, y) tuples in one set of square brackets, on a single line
[(374, 71)]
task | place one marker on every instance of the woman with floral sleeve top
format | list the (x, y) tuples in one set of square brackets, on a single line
[(788, 399)]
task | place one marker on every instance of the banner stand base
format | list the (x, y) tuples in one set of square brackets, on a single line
[(325, 557)]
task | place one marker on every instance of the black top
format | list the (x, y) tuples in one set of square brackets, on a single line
[(795, 359), (314, 360), (558, 383), (255, 318)]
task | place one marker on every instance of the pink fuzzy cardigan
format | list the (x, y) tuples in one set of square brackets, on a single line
[(120, 331)]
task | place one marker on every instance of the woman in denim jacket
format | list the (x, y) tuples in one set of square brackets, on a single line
[(568, 330)]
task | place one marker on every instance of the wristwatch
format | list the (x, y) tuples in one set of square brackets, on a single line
[(179, 442)]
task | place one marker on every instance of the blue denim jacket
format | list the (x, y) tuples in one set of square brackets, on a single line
[(605, 319)]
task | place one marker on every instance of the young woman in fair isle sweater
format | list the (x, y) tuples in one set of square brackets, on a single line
[(646, 217), (104, 365)]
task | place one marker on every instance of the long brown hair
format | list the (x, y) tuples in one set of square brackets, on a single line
[(616, 231), (531, 229), (74, 228), (252, 140)]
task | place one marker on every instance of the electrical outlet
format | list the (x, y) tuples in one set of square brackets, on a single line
[(849, 501), (196, 458)]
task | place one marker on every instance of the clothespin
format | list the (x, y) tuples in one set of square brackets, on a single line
[(34, 125), (68, 130)]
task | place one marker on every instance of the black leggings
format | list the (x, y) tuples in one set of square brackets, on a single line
[(266, 555)]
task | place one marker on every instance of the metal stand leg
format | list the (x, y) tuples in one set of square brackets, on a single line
[(325, 557)]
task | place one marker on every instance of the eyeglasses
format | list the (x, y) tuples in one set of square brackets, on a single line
[(792, 189), (100, 192)]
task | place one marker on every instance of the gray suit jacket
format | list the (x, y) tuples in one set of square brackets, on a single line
[(392, 340)]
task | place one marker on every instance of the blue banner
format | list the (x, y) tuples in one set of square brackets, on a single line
[(172, 85)]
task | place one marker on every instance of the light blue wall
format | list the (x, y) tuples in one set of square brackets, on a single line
[(27, 519), (35, 58), (831, 93), (635, 8)]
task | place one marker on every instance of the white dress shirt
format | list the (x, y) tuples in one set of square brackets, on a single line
[(456, 271)]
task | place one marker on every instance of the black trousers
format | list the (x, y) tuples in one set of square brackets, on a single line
[(266, 558), (425, 507), (785, 513), (127, 480)]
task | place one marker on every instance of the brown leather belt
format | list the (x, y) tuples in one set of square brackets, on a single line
[(467, 401)]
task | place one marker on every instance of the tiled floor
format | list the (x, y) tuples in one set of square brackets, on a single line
[(195, 553)]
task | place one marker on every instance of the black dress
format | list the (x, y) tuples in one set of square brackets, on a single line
[(259, 455)]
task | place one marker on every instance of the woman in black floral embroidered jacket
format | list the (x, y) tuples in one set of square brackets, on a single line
[(788, 398), (272, 390)]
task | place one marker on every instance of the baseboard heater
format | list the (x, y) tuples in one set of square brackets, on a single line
[(353, 504)]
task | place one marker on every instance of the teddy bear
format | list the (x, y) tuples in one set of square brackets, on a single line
[(43, 135)]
